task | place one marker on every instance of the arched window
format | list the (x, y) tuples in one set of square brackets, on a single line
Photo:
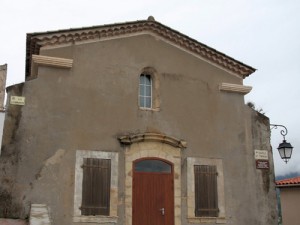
[(145, 92), (152, 165)]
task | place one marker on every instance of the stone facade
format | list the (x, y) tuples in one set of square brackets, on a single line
[(82, 101), (3, 74)]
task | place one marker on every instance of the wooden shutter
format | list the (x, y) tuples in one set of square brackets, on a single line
[(206, 195), (95, 186)]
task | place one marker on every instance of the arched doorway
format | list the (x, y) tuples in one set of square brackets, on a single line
[(153, 192), (158, 146)]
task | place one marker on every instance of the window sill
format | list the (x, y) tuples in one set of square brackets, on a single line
[(95, 219), (218, 220), (150, 109)]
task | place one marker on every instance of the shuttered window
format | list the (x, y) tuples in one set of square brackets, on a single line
[(95, 186), (206, 195)]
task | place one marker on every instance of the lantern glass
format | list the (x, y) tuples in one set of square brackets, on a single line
[(285, 150)]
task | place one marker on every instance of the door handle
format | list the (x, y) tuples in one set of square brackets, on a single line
[(162, 210)]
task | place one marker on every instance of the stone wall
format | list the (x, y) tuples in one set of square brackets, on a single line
[(3, 74)]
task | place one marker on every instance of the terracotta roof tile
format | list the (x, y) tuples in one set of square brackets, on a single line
[(288, 182), (50, 38)]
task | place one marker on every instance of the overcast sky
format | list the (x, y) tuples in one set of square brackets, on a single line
[(264, 34)]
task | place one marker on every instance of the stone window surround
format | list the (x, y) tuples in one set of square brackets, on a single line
[(113, 156), (155, 105), (191, 161)]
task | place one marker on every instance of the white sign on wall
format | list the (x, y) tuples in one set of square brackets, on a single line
[(261, 154), (17, 100)]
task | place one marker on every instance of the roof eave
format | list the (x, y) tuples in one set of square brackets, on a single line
[(287, 185), (35, 41)]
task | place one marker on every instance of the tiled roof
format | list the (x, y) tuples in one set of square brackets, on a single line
[(51, 38), (289, 182)]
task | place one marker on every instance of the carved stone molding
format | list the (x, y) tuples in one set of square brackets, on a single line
[(41, 60), (135, 138), (237, 88), (52, 61)]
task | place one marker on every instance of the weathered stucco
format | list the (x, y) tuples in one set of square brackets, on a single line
[(96, 101)]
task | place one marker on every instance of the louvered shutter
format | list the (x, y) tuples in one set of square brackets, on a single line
[(95, 186), (206, 195)]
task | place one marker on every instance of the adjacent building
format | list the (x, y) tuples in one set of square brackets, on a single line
[(290, 198), (134, 124)]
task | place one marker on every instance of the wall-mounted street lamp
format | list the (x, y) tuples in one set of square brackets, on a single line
[(285, 149)]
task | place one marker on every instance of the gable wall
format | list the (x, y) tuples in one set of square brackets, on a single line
[(90, 105), (107, 74)]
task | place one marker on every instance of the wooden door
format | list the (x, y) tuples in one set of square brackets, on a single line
[(153, 193)]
